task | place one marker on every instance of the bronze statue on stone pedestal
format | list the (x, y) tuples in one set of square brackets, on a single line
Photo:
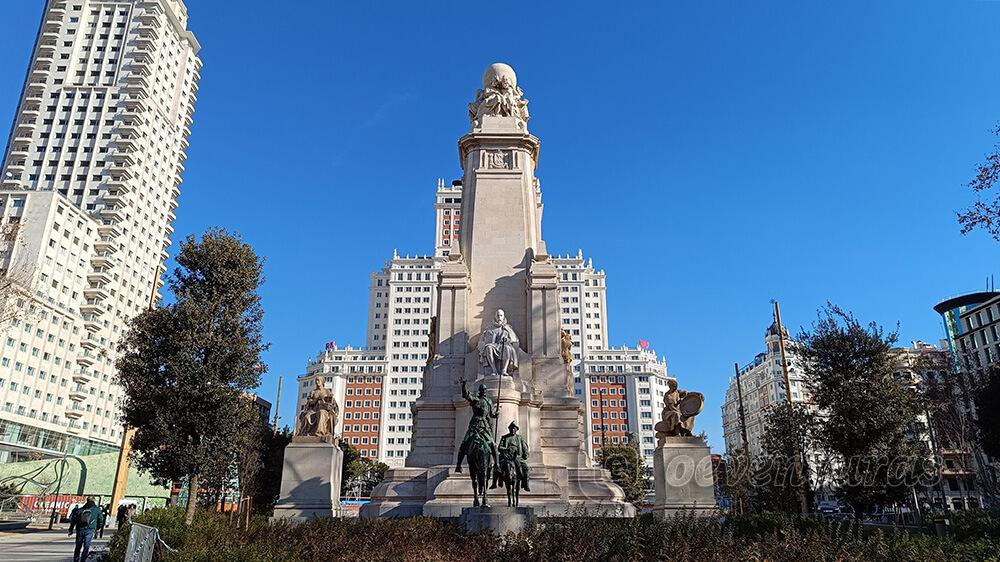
[(478, 443)]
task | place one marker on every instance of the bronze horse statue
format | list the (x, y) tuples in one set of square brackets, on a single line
[(509, 475), (480, 469)]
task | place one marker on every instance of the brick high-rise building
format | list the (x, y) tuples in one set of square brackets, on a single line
[(90, 179)]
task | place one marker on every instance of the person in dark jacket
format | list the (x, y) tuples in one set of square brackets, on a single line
[(122, 516), (85, 520), (105, 513)]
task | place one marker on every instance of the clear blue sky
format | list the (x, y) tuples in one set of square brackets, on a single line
[(710, 156)]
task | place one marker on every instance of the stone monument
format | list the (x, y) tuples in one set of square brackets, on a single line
[(498, 326), (311, 468), (682, 462)]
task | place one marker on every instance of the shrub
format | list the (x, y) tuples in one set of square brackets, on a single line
[(770, 537)]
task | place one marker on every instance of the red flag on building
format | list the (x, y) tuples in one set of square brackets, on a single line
[(644, 344)]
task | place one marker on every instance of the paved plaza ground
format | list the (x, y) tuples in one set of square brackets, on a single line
[(36, 544)]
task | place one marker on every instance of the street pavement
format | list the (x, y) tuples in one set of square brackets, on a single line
[(40, 544)]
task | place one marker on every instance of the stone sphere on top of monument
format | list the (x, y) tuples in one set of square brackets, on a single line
[(499, 70)]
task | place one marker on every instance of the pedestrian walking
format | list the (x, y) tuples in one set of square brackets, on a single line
[(122, 516), (86, 520), (105, 514)]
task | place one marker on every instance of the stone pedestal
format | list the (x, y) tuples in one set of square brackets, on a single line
[(310, 479), (682, 470), (498, 520)]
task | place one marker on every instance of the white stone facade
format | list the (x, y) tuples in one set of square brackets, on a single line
[(763, 386), (90, 177)]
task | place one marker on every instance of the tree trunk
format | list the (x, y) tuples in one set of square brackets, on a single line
[(192, 499)]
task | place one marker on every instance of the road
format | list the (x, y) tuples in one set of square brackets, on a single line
[(40, 544)]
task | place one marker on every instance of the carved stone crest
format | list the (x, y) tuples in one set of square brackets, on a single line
[(497, 160)]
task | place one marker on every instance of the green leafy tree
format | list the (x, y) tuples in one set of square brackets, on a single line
[(789, 435), (984, 214), (867, 414), (265, 485), (185, 367), (359, 473), (628, 469), (987, 400)]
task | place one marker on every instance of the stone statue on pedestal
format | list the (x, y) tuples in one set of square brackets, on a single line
[(498, 346), (318, 417), (312, 466), (499, 96), (679, 409), (478, 443)]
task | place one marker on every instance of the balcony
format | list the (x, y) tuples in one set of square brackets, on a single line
[(122, 158), (91, 323), (119, 172), (39, 76), (125, 144), (82, 376), (146, 18), (102, 260), (127, 129), (78, 394), (132, 116), (91, 307), (136, 104), (114, 198), (135, 84), (73, 414), (144, 44), (52, 36), (96, 292), (112, 212), (24, 129), (12, 181), (120, 185), (147, 31), (101, 275), (19, 150), (109, 228), (151, 7), (52, 25), (169, 228), (139, 68)]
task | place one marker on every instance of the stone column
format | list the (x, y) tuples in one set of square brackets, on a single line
[(435, 421)]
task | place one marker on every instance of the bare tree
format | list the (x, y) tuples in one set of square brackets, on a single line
[(984, 214)]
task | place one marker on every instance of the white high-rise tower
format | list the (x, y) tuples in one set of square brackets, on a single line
[(90, 180)]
